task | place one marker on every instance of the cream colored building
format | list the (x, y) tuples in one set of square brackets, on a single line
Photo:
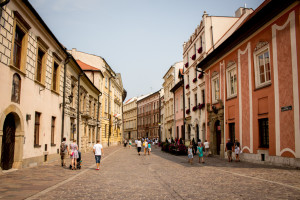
[(130, 119), (169, 81), (83, 78), (112, 98), (211, 32), (32, 68)]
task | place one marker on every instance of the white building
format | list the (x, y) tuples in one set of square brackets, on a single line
[(211, 32)]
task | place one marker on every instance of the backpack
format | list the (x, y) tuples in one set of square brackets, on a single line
[(62, 148)]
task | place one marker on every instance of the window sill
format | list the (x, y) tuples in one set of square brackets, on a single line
[(41, 84), (55, 92), (263, 86), (37, 146), (263, 148), (232, 97), (53, 145), (18, 70)]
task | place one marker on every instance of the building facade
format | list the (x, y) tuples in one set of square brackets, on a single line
[(130, 119), (148, 115), (211, 32), (170, 78), (113, 95), (253, 84)]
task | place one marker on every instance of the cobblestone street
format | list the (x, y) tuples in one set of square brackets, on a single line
[(125, 175)]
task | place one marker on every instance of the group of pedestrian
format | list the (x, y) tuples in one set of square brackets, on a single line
[(233, 147), (127, 142), (146, 144), (74, 153), (201, 148)]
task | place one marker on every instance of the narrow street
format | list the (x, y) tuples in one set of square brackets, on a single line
[(125, 175)]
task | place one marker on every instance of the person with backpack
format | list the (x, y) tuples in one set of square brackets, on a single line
[(64, 151)]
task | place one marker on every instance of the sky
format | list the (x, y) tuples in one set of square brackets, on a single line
[(141, 39)]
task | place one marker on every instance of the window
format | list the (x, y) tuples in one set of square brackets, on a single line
[(37, 129), (263, 132), (203, 96), (40, 73), (106, 82), (215, 89), (52, 130), (195, 50), (19, 43), (181, 102), (19, 35), (189, 103), (55, 76), (231, 82), (262, 67), (16, 88), (177, 104), (90, 108), (196, 99), (106, 105)]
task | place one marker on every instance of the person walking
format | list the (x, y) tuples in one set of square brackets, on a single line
[(130, 144), (145, 147), (237, 151), (206, 147), (200, 152), (228, 149), (98, 151), (74, 154), (190, 153), (139, 146), (149, 148), (64, 151)]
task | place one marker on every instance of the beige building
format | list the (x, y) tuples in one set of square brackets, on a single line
[(32, 68), (130, 119), (169, 81), (112, 98), (83, 106)]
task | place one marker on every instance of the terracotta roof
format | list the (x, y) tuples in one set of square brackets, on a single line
[(85, 66)]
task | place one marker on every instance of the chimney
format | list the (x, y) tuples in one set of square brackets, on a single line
[(239, 12)]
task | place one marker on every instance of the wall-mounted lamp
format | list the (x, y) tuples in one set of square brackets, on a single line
[(28, 117)]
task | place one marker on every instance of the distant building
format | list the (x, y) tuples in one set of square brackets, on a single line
[(148, 115), (170, 78), (130, 119)]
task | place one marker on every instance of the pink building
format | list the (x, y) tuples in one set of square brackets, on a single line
[(252, 80)]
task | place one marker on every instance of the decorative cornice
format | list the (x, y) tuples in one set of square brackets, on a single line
[(260, 45)]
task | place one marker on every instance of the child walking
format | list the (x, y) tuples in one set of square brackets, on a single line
[(190, 154), (149, 148), (200, 152)]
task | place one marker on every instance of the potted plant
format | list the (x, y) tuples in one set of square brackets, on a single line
[(187, 86), (187, 111), (194, 108), (200, 50), (200, 75), (186, 65), (194, 80), (194, 57)]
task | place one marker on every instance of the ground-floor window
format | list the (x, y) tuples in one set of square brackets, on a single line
[(263, 132), (232, 132)]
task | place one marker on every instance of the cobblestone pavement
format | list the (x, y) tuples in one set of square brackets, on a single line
[(125, 175)]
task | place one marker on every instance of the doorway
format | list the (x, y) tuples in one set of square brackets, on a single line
[(197, 130), (8, 142), (218, 136), (232, 132)]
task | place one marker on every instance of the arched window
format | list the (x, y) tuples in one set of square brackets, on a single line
[(16, 88)]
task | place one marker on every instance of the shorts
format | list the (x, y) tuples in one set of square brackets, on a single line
[(97, 158), (190, 156), (229, 153), (139, 149), (149, 149)]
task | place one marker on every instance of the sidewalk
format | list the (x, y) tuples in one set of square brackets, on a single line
[(23, 183)]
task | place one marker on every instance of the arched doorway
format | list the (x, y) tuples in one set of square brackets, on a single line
[(8, 142), (218, 136)]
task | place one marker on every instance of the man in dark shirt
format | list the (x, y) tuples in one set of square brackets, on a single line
[(229, 149)]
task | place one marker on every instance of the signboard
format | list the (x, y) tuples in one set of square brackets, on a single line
[(286, 108)]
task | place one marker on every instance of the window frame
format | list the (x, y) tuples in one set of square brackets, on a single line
[(24, 27), (228, 81), (13, 92), (57, 61), (53, 119), (43, 47), (256, 54), (213, 81), (37, 120), (263, 136)]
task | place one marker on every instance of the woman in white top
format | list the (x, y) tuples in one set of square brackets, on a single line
[(206, 146)]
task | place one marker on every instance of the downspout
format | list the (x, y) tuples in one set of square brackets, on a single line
[(78, 106), (212, 35), (64, 97), (109, 116), (183, 98), (159, 136), (97, 132)]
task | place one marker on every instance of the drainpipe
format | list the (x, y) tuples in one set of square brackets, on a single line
[(78, 106), (97, 132), (183, 96), (64, 96), (109, 115), (212, 35)]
